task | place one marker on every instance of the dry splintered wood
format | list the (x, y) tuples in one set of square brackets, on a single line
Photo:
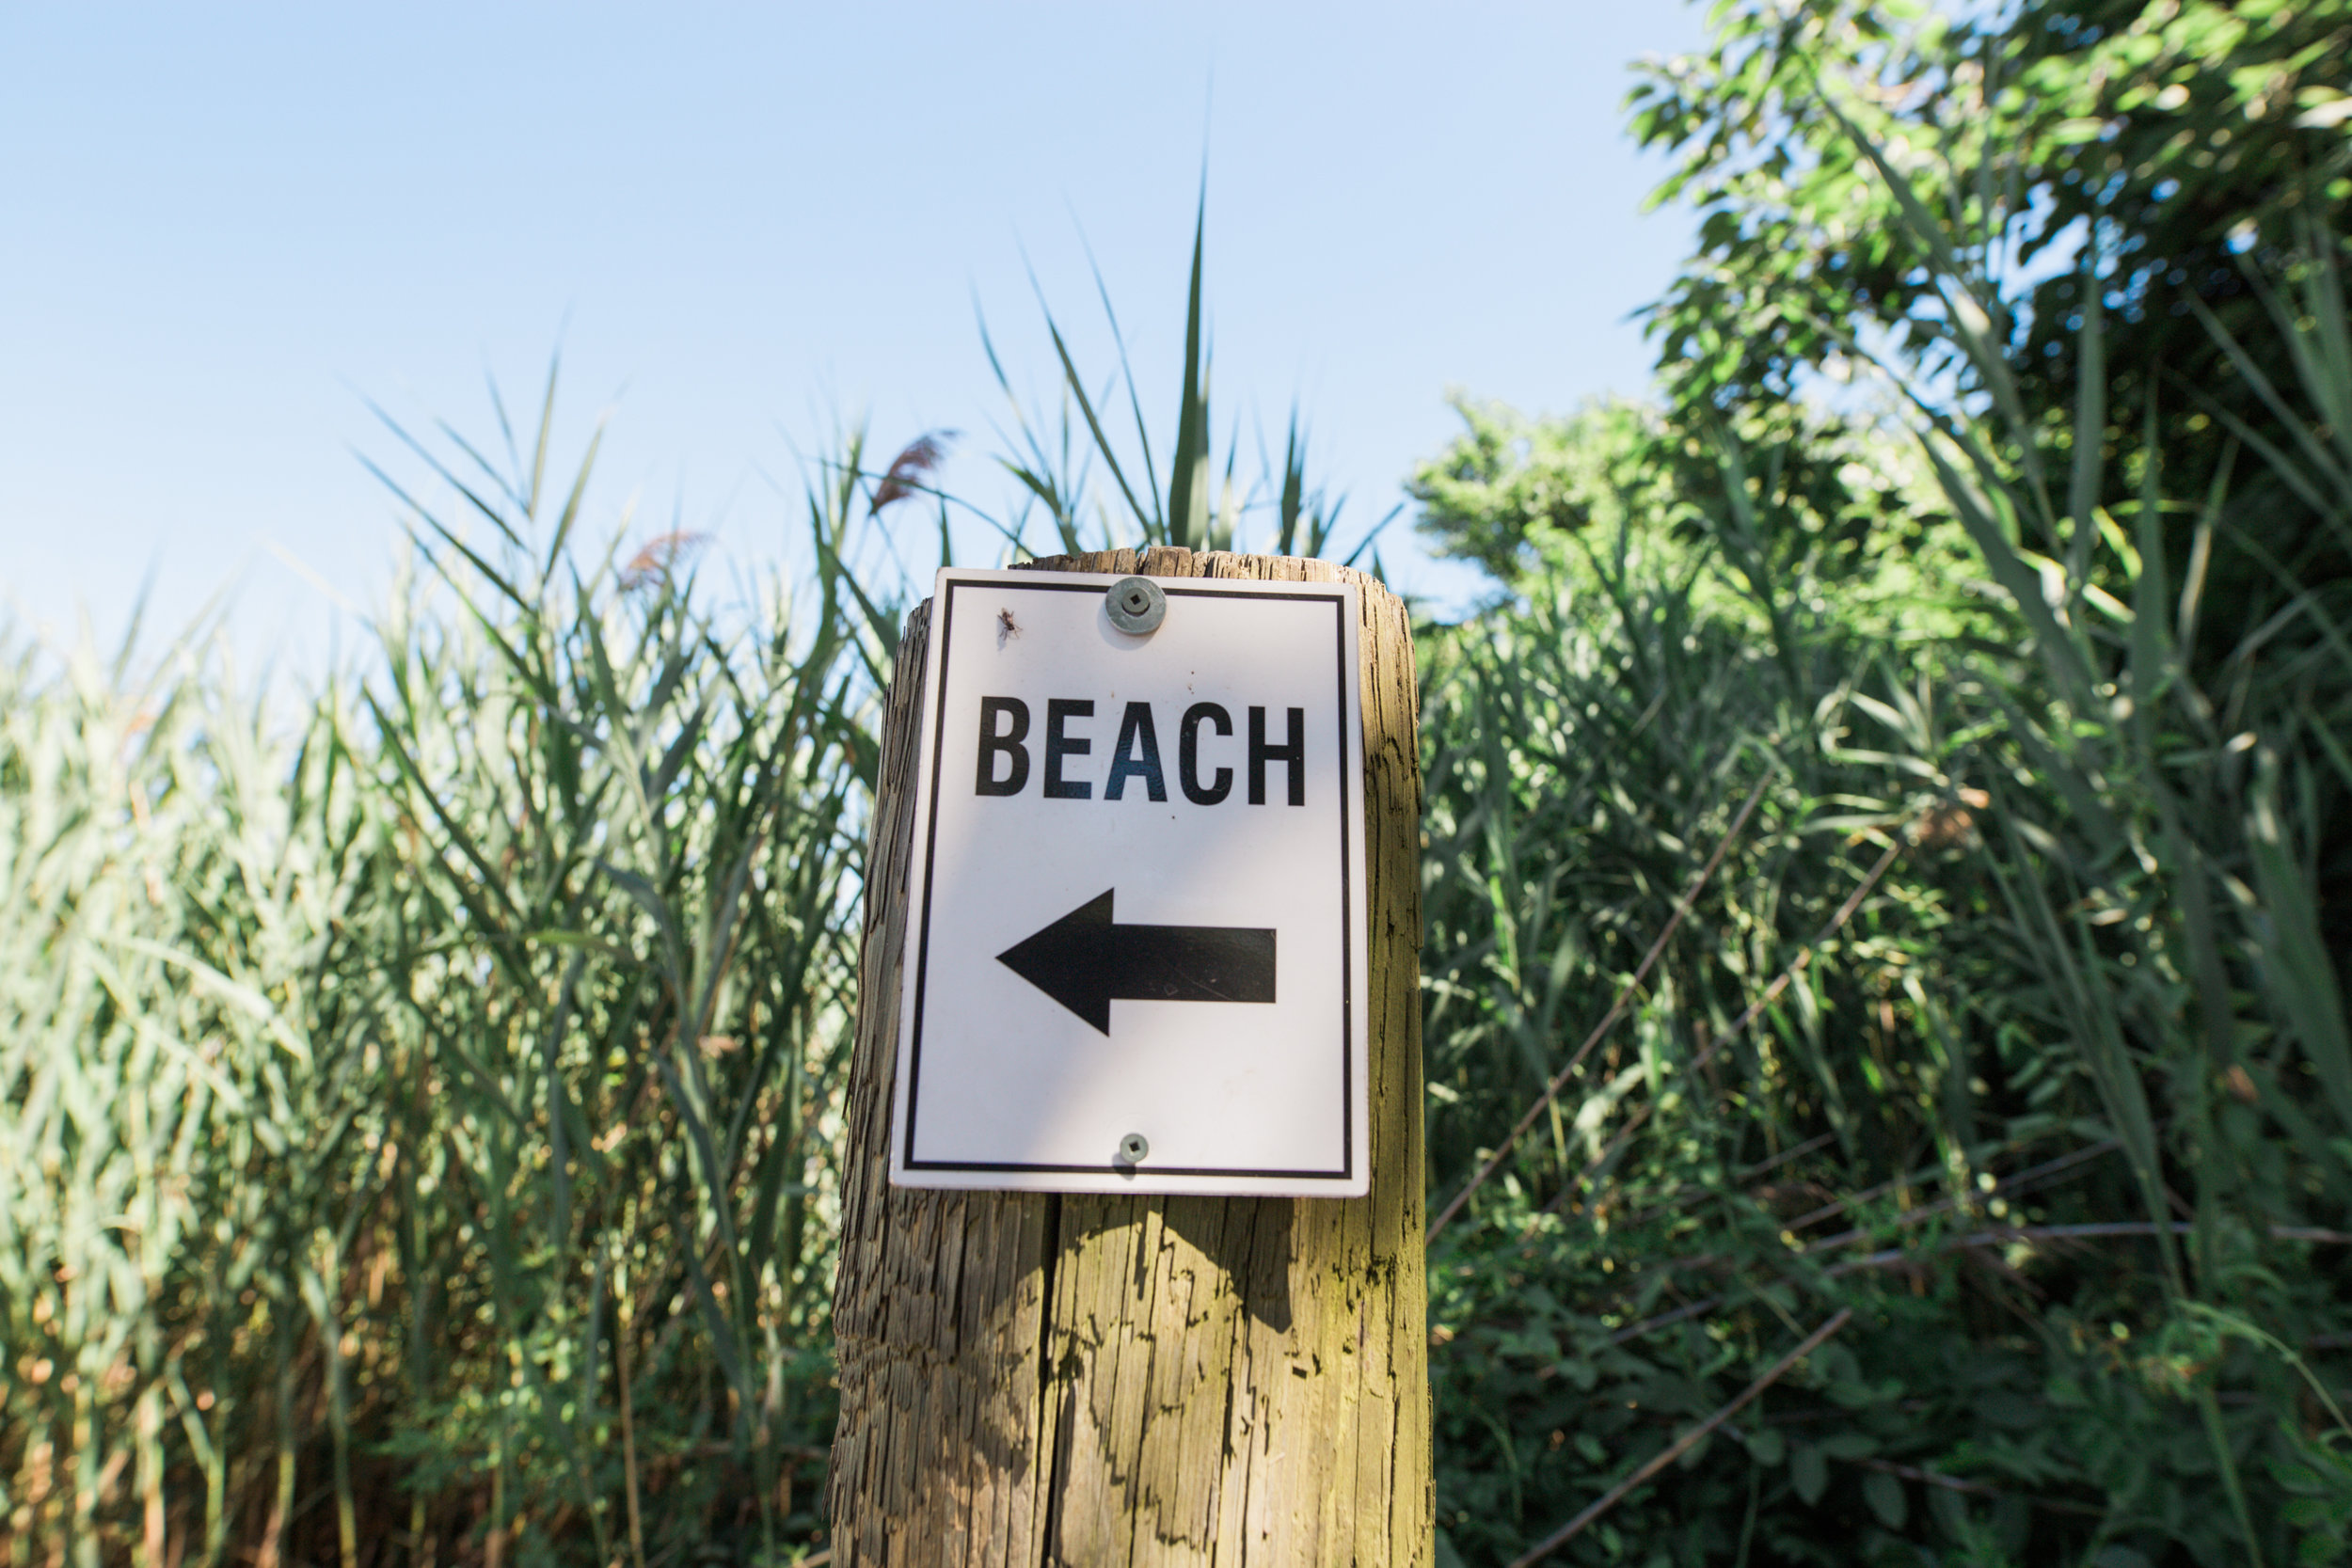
[(1041, 1379)]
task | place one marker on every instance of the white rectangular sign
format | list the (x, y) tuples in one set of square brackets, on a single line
[(1134, 954)]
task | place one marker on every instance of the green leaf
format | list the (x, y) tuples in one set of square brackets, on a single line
[(1886, 1497), (1809, 1471), (1188, 482)]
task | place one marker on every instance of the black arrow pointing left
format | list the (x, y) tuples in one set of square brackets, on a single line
[(1085, 963)]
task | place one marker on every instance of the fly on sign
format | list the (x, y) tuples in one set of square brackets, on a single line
[(1135, 960)]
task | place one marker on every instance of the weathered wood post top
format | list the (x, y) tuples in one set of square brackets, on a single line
[(1131, 1256)]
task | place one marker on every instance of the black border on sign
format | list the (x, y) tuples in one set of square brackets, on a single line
[(1336, 597)]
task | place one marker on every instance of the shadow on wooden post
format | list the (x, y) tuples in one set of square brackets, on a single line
[(1033, 1379)]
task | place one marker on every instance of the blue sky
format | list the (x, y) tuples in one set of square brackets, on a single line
[(224, 229)]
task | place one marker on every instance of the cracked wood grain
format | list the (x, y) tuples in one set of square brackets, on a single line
[(1034, 1380)]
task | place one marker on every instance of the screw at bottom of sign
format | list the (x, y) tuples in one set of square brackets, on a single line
[(1133, 1148)]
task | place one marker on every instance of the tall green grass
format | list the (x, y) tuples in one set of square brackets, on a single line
[(421, 1126), (1088, 464)]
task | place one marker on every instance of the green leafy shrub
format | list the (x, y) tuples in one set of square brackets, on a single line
[(2010, 1021)]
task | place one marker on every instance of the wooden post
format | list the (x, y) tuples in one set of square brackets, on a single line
[(1047, 1379)]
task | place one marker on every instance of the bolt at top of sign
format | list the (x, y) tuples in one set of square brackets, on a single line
[(1137, 606), (1203, 776)]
